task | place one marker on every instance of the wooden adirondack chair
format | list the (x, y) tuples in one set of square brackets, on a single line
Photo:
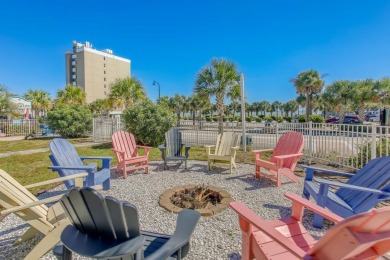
[(360, 193), (66, 162), (173, 148), (107, 228), (225, 150), (364, 236), (126, 151), (16, 199), (284, 158)]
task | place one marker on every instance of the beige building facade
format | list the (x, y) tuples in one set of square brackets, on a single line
[(94, 70)]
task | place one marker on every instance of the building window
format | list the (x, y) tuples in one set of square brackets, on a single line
[(104, 58), (104, 65), (105, 93), (105, 86), (104, 79), (104, 72)]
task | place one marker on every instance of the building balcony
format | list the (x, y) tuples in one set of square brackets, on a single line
[(74, 70), (73, 76), (74, 63), (74, 56)]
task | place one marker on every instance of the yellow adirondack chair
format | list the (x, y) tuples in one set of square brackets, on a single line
[(16, 199), (225, 150)]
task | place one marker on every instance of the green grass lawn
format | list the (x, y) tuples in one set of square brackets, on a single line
[(32, 168), (20, 145)]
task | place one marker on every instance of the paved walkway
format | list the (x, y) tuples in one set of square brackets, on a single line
[(42, 150)]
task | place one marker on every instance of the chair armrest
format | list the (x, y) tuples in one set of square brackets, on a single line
[(186, 150), (144, 147), (96, 157), (185, 226), (61, 179), (236, 148), (299, 203), (209, 146), (349, 186), (55, 168), (117, 151), (327, 171), (30, 205), (261, 151), (161, 147), (288, 156), (250, 217)]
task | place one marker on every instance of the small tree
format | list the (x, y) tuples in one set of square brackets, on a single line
[(149, 122), (70, 120), (7, 107)]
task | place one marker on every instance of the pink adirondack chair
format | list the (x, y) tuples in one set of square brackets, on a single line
[(363, 236), (126, 151), (285, 156)]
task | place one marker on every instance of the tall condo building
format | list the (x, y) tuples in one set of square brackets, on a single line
[(94, 70)]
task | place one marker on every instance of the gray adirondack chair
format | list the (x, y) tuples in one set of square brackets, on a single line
[(360, 193), (173, 148), (66, 162), (106, 228)]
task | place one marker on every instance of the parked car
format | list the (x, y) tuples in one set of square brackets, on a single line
[(347, 120), (331, 119)]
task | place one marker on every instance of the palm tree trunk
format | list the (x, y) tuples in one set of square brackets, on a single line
[(341, 114), (308, 107), (178, 118), (220, 107), (361, 112), (193, 117)]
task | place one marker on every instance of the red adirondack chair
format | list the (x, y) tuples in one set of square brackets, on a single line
[(286, 154), (363, 236), (126, 151)]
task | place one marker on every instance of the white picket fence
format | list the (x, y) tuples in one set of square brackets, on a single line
[(19, 127), (344, 145)]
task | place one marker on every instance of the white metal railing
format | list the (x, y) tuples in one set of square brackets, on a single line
[(19, 127), (343, 145)]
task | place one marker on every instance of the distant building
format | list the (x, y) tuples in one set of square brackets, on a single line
[(23, 106), (94, 70)]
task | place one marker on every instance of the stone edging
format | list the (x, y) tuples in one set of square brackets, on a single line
[(165, 200)]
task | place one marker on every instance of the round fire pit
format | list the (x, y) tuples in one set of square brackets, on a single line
[(207, 200)]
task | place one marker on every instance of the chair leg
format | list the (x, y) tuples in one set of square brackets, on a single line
[(48, 242), (185, 164), (106, 184), (147, 167), (279, 179), (305, 194), (208, 165), (30, 233)]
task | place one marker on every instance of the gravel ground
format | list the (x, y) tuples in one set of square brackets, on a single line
[(216, 237)]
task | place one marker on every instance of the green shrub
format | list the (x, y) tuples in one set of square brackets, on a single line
[(215, 118), (288, 118), (302, 118), (317, 119), (268, 118), (249, 118), (258, 119), (208, 118), (70, 120), (278, 119), (149, 122)]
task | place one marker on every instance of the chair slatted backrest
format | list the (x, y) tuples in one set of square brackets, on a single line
[(375, 175), (64, 154), (107, 218), (225, 141), (13, 194), (125, 141), (288, 143), (356, 235), (173, 142)]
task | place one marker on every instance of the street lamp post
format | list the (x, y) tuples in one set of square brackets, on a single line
[(154, 84)]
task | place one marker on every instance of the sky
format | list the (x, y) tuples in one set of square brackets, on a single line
[(171, 41)]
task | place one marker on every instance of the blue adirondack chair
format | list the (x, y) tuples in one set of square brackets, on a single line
[(66, 161), (365, 189)]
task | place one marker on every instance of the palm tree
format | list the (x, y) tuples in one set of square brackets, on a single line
[(126, 92), (383, 89), (338, 96), (293, 104), (41, 101), (363, 93), (71, 95), (7, 107), (307, 83), (276, 106), (265, 106), (218, 79), (177, 105), (256, 107), (100, 107)]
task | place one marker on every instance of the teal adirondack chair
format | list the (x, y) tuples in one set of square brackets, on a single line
[(66, 161), (360, 193)]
